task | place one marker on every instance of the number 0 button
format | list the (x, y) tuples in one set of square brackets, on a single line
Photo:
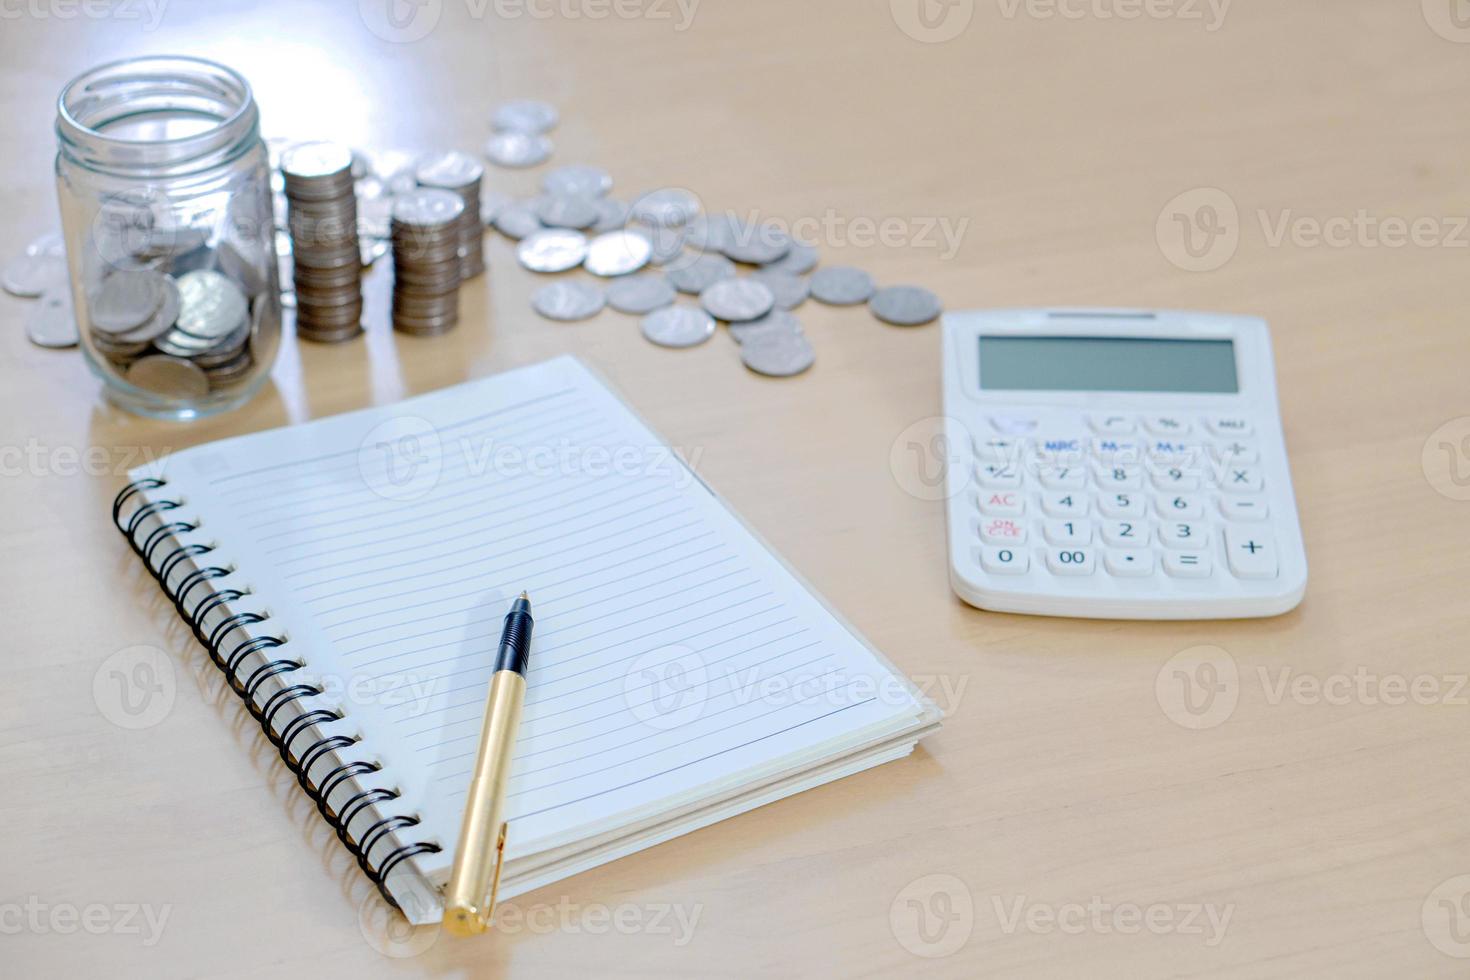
[(1004, 561), (1071, 561)]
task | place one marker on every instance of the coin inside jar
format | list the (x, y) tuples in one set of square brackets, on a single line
[(210, 305), (126, 300), (171, 376)]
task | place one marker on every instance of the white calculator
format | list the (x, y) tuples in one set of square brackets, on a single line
[(1118, 464)]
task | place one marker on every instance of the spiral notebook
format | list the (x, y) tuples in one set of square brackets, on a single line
[(350, 575)]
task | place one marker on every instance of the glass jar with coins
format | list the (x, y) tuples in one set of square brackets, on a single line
[(164, 186)]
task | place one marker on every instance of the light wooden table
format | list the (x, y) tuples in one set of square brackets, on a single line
[(1060, 791)]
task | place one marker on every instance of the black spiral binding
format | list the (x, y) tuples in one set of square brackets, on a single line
[(299, 760)]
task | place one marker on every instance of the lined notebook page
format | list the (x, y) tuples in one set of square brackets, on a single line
[(672, 652)]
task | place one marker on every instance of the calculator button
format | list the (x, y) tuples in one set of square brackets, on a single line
[(1241, 479), (1250, 552), (1165, 453), (1071, 561), (1120, 477), (1237, 452), (1002, 503), (1056, 475), (1064, 504), (1002, 530), (1184, 535), (1229, 425), (997, 449), (1109, 450), (1130, 564), (1121, 505), (1188, 564), (1126, 534), (1244, 508), (1111, 425), (1167, 425), (1180, 506), (1175, 478), (1004, 561), (1002, 476), (1013, 425), (1069, 532), (1062, 444)]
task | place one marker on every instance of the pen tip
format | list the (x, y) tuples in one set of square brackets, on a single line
[(525, 595)]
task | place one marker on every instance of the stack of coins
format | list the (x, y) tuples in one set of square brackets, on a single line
[(426, 261), (462, 174), (177, 336), (323, 224)]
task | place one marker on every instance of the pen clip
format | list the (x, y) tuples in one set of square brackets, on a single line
[(495, 879)]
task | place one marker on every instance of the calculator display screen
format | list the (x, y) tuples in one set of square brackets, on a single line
[(1012, 363)]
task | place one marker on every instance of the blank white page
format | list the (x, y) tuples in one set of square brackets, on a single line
[(673, 654)]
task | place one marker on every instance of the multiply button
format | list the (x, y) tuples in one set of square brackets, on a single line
[(1241, 479), (1251, 553)]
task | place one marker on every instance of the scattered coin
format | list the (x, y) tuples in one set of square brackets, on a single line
[(171, 376), (491, 204), (841, 285), (757, 244), (51, 322), (790, 290), (552, 250), (777, 353), (618, 253), (669, 206), (678, 326), (525, 116), (774, 320), (640, 294), (518, 220), (568, 301), (735, 300), (517, 149), (612, 214), (566, 212), (577, 180), (905, 306), (702, 273), (42, 264), (799, 260)]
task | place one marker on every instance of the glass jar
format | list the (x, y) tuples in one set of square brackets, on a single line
[(164, 184)]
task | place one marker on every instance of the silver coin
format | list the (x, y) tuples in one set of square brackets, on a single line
[(515, 149), (777, 353), (210, 305), (308, 161), (525, 116), (552, 250), (518, 220), (757, 244), (640, 294), (171, 376), (42, 264), (702, 273), (711, 232), (905, 306), (667, 206), (612, 214), (618, 253), (668, 245), (126, 301), (577, 180), (51, 323), (800, 260), (735, 300), (568, 301), (841, 285), (678, 326), (779, 320), (428, 208), (491, 204), (566, 212), (449, 170), (164, 318), (790, 290)]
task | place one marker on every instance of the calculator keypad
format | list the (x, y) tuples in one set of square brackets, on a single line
[(1124, 495)]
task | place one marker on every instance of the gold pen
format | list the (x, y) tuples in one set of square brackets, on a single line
[(469, 901)]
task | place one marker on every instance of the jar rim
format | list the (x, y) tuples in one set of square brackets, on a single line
[(74, 127)]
